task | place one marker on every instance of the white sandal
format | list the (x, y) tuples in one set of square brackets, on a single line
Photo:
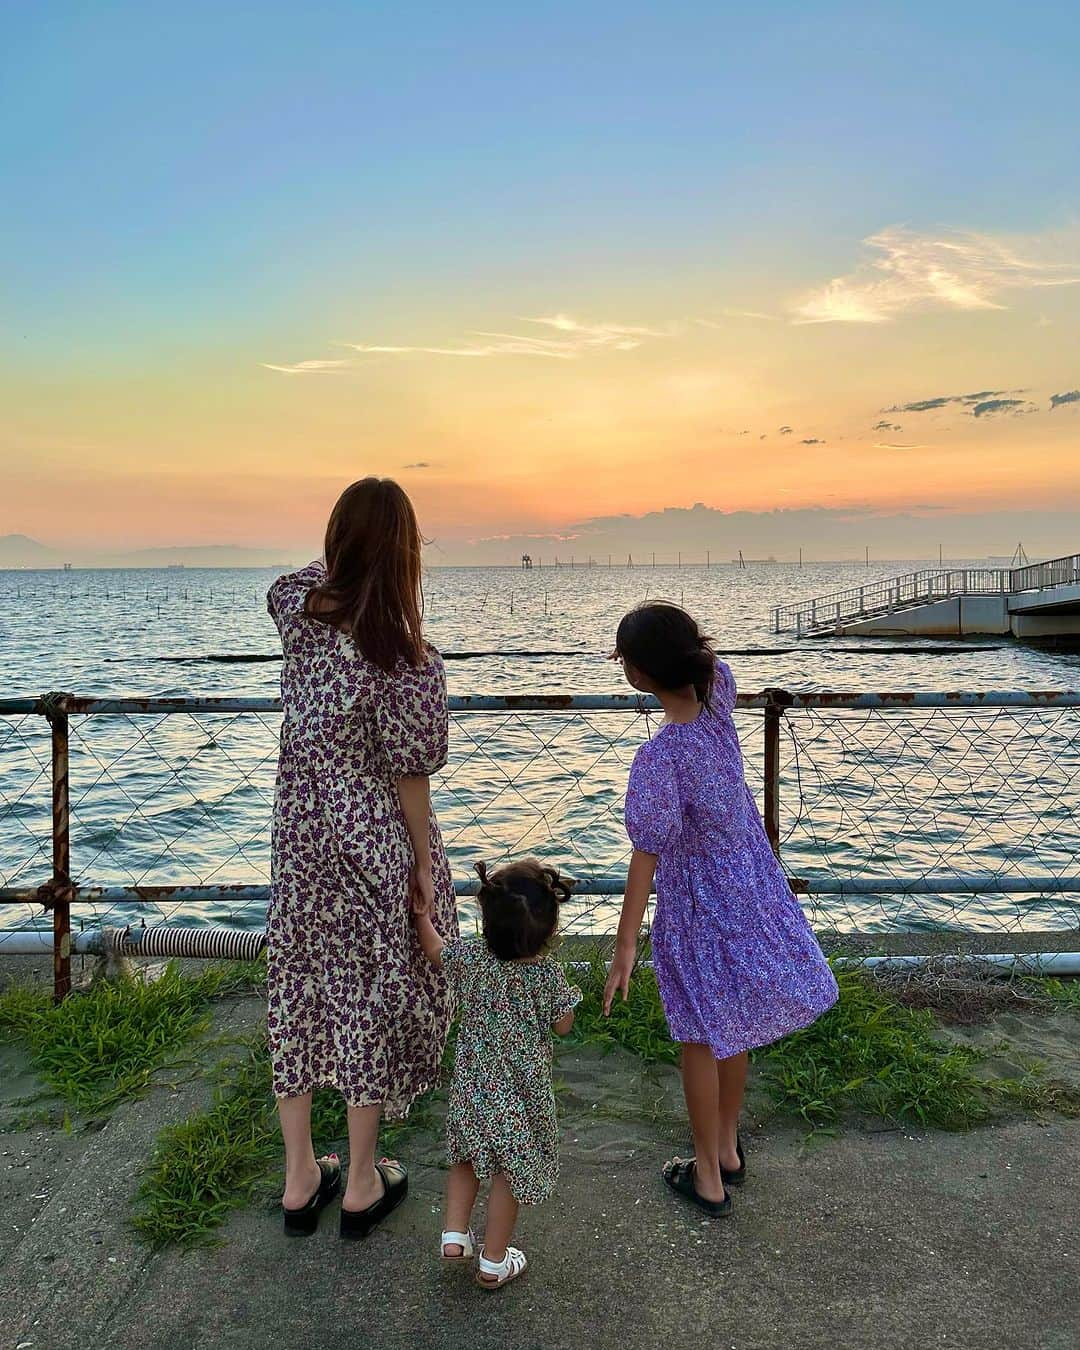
[(494, 1274), (465, 1241)]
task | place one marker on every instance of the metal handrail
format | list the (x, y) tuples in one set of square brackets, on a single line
[(882, 596), (1040, 576), (834, 699)]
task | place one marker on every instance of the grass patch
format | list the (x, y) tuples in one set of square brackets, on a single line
[(638, 1025), (1060, 993), (869, 1054), (103, 1046), (212, 1162)]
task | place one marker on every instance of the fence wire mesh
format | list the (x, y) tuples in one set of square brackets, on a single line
[(25, 813), (900, 795)]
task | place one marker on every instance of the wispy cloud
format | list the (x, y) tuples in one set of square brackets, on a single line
[(1059, 400), (887, 426), (943, 400), (811, 440), (909, 272), (307, 367), (419, 464), (892, 445), (564, 339), (735, 314), (785, 431), (991, 407), (575, 339)]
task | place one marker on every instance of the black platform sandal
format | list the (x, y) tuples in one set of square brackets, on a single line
[(679, 1175), (735, 1176), (358, 1223), (302, 1222)]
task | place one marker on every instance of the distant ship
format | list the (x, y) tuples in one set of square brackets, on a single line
[(175, 567)]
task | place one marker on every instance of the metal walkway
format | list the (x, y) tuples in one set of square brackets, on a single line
[(829, 613)]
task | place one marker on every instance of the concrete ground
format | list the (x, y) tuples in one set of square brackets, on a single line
[(874, 1238)]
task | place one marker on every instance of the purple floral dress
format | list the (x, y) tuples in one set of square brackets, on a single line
[(353, 1003), (736, 960)]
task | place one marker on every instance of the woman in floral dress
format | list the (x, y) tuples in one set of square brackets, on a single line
[(353, 1004)]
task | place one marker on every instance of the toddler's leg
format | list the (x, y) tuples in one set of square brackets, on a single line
[(731, 1081), (701, 1089), (461, 1188), (502, 1212)]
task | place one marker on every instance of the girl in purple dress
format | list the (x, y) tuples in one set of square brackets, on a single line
[(735, 959)]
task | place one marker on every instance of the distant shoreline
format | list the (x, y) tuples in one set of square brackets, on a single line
[(594, 566)]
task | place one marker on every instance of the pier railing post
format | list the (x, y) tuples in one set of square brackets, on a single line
[(776, 702), (59, 887)]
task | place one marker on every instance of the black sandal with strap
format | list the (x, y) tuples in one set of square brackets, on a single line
[(302, 1222), (679, 1174), (735, 1176), (358, 1223)]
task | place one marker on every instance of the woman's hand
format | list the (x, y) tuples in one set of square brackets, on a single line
[(622, 967), (421, 888)]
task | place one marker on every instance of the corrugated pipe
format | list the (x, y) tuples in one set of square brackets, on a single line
[(229, 944)]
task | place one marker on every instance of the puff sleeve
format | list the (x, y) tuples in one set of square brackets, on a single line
[(724, 687), (411, 717), (287, 593), (564, 997), (653, 809)]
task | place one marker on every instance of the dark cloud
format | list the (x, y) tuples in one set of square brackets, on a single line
[(929, 404), (811, 440), (785, 431), (887, 426), (989, 407), (1070, 396)]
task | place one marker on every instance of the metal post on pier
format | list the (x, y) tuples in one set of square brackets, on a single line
[(778, 700), (57, 892)]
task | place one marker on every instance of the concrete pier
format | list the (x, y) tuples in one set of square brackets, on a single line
[(1035, 602)]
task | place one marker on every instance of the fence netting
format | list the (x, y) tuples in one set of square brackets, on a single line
[(185, 799)]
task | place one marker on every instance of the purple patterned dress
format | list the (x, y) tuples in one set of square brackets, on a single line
[(737, 963), (353, 1003)]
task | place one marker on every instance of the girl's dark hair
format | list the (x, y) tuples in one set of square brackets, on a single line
[(666, 644), (519, 905), (373, 585)]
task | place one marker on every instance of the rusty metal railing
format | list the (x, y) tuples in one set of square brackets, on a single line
[(59, 892)]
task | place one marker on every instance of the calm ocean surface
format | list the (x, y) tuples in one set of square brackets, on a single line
[(187, 800)]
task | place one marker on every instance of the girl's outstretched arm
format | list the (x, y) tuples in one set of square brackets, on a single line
[(639, 880)]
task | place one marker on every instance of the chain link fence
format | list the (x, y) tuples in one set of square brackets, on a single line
[(891, 812)]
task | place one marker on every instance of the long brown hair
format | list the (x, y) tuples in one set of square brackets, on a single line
[(373, 586)]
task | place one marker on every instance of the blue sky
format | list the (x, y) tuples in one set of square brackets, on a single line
[(193, 192)]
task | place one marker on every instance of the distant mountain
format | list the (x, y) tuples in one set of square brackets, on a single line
[(198, 555), (19, 550)]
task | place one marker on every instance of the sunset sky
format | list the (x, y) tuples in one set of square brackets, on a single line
[(548, 266)]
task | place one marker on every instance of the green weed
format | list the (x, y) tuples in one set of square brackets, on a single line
[(100, 1047)]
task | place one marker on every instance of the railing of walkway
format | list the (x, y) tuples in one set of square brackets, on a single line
[(882, 597), (890, 811)]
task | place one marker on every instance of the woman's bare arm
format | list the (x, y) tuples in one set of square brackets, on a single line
[(414, 793), (430, 942)]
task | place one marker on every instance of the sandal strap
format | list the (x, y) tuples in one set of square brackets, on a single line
[(462, 1240), (513, 1263)]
